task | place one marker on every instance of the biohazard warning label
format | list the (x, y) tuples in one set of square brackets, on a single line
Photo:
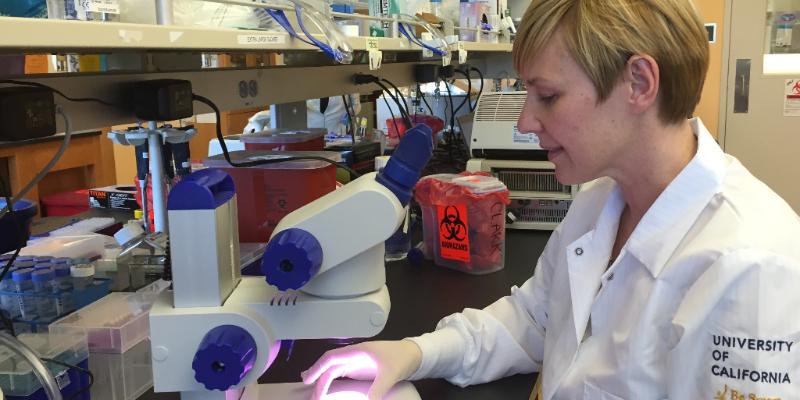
[(453, 232)]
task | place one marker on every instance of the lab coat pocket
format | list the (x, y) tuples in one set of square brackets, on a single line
[(592, 392)]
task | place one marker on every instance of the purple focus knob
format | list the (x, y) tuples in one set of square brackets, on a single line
[(224, 357), (291, 259)]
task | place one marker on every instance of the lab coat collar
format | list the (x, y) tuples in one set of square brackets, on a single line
[(668, 220), (587, 260)]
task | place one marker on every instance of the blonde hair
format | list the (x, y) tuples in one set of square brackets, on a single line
[(601, 35)]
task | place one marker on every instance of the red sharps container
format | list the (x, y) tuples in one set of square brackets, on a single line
[(464, 220), (267, 193)]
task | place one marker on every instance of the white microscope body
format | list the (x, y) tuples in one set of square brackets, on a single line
[(216, 332)]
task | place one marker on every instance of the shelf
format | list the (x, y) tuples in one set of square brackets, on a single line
[(305, 76), (487, 47), (33, 35)]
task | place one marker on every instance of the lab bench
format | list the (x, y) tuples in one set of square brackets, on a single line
[(421, 295)]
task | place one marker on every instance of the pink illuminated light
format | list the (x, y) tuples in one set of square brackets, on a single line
[(345, 395)]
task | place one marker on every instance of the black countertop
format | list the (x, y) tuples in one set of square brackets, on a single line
[(420, 297)]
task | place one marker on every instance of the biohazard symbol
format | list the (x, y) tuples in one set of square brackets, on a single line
[(796, 88), (721, 394), (452, 227)]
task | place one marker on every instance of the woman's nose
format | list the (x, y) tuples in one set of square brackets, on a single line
[(528, 122)]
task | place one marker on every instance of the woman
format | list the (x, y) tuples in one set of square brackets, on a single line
[(676, 272)]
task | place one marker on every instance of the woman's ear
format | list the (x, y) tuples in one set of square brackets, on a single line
[(642, 77)]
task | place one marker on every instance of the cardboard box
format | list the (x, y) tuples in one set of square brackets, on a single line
[(114, 197)]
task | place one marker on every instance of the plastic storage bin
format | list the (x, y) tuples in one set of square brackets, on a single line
[(123, 376), (312, 139), (18, 380), (66, 203), (464, 221), (113, 324), (267, 193)]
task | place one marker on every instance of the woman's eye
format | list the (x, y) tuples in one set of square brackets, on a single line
[(549, 99)]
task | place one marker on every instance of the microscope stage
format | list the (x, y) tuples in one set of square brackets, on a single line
[(339, 390)]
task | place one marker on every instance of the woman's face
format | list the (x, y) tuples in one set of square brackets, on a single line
[(584, 138)]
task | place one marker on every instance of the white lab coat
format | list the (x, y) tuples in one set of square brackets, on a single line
[(334, 114), (705, 291)]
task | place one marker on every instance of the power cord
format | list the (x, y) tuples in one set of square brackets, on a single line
[(351, 129), (360, 79), (469, 91), (79, 369), (480, 89), (424, 100), (394, 119), (256, 163), (399, 94), (58, 92)]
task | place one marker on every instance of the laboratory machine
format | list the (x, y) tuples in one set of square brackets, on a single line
[(217, 332)]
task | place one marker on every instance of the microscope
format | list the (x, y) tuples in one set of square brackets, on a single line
[(216, 332)]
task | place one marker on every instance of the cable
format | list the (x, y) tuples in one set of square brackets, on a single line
[(469, 92), (351, 128), (79, 369), (480, 90), (58, 92), (49, 166), (424, 100), (403, 114), (399, 94), (39, 369), (261, 162), (394, 119)]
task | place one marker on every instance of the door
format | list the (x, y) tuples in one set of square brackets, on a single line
[(761, 109)]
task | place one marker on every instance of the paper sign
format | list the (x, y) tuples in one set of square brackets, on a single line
[(261, 39), (102, 6), (453, 232), (791, 99), (462, 53), (375, 59), (447, 58), (372, 44)]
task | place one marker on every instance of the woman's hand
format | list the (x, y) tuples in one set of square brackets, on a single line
[(384, 362)]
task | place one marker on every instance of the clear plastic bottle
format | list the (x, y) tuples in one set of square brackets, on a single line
[(82, 274), (23, 264), (23, 285), (8, 301), (42, 265), (436, 8), (62, 260), (63, 287), (43, 287)]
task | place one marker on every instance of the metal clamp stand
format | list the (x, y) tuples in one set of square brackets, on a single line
[(155, 138)]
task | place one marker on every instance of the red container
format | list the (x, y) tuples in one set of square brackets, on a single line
[(396, 127), (267, 193), (312, 139), (66, 203), (464, 218)]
